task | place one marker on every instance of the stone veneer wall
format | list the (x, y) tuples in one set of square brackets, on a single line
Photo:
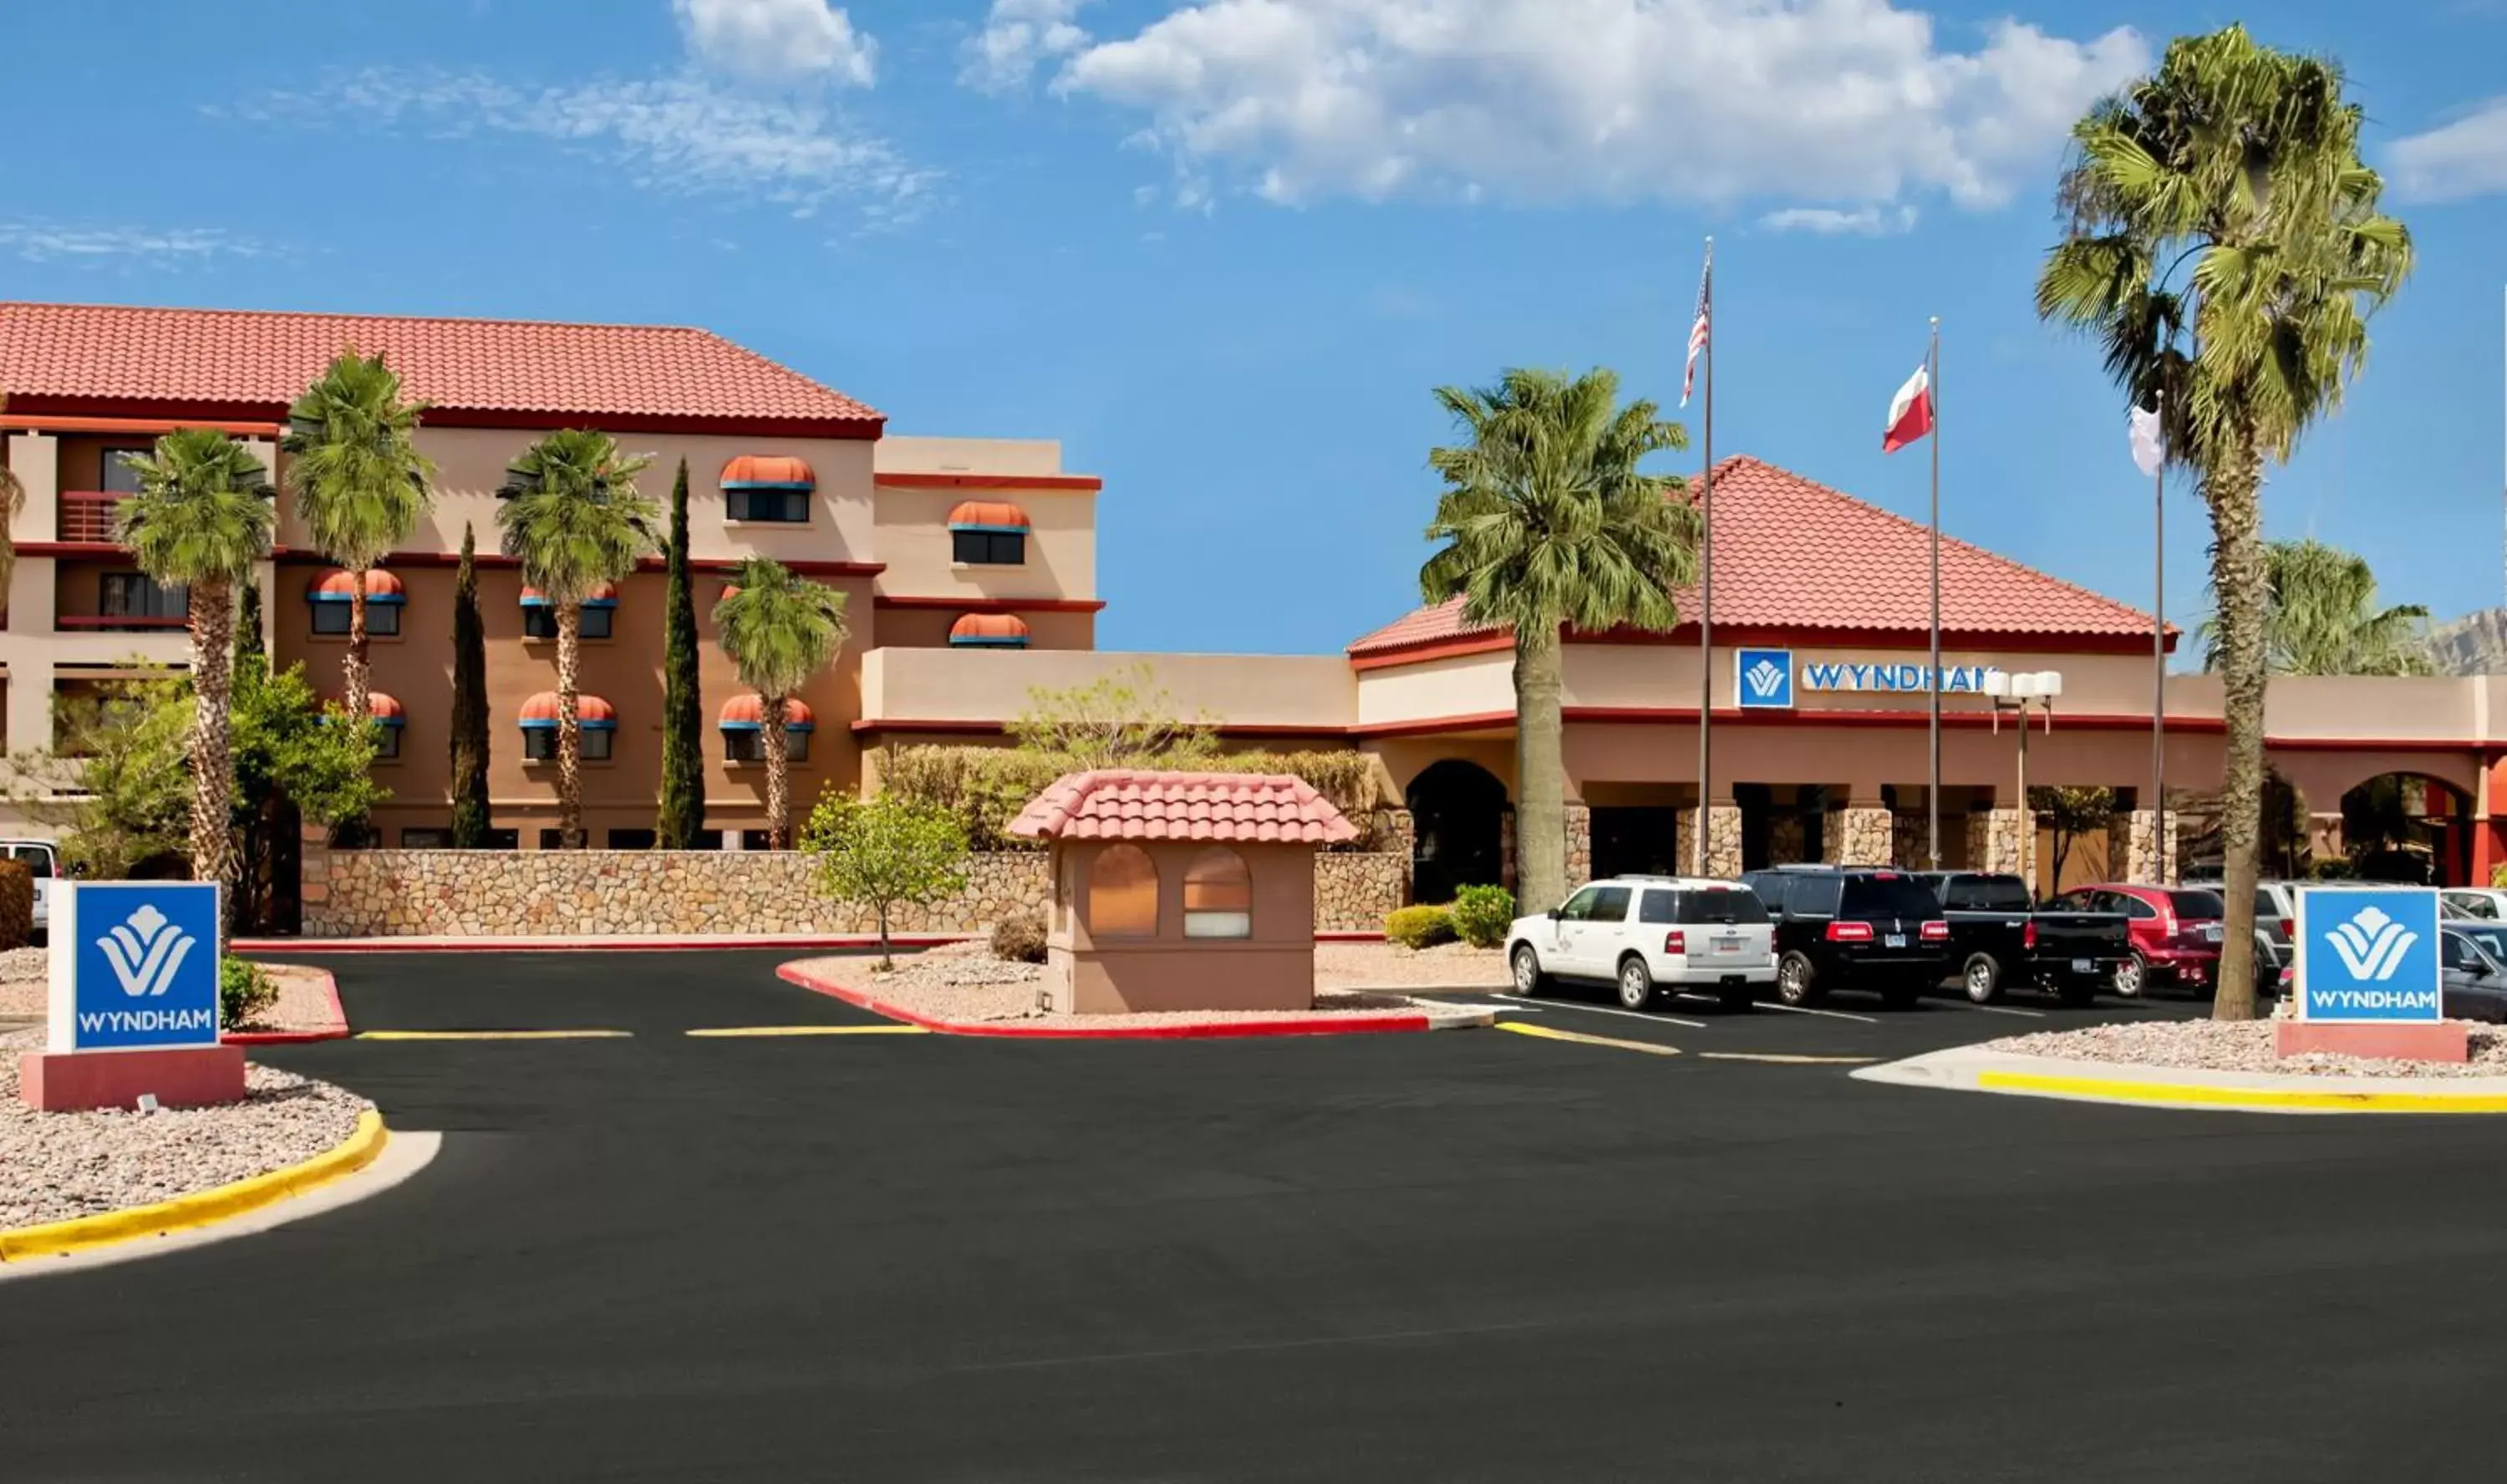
[(526, 894)]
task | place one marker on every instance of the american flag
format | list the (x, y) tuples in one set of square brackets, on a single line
[(1697, 332)]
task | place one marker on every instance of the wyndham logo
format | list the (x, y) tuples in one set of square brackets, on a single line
[(1763, 678), (2368, 955), (146, 951)]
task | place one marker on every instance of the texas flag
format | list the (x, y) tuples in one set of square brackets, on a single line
[(1910, 413)]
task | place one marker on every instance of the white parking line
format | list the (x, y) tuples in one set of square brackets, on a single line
[(1969, 1004), (1771, 1005), (1655, 1019)]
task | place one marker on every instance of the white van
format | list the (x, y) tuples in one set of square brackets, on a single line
[(43, 859)]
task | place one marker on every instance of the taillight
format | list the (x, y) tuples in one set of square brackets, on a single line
[(1849, 932), (1937, 931), (2028, 936), (1675, 942)]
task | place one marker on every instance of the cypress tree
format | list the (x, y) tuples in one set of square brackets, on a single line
[(248, 627), (682, 808), (469, 705)]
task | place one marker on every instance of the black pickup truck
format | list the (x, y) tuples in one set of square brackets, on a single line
[(1999, 938)]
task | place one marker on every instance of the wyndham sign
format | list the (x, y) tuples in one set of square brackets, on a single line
[(1767, 679), (2369, 955), (134, 966)]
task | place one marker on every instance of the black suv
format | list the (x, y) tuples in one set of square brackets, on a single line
[(1855, 928)]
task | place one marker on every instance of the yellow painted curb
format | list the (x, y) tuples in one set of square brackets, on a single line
[(2238, 1097), (494, 1036), (1549, 1034), (205, 1208), (737, 1031)]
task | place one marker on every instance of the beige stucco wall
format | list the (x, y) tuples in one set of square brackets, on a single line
[(980, 685), (917, 453), (1272, 968), (914, 541)]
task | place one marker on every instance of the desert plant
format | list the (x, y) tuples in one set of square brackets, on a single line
[(884, 854), (681, 819), (1421, 926), (358, 481), (1019, 938), (245, 990), (777, 630), (984, 787), (470, 818), (1120, 720), (16, 905), (1483, 914)]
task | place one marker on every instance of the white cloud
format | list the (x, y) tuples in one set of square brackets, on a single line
[(678, 135), (45, 241), (1019, 36), (779, 38), (1827, 220), (2464, 159), (1548, 100)]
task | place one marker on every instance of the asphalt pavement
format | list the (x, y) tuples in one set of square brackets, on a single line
[(1474, 1256)]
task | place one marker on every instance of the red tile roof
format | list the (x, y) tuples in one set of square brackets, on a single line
[(67, 358), (1120, 804), (1791, 553)]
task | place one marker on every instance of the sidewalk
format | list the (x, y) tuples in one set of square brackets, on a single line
[(1969, 1068)]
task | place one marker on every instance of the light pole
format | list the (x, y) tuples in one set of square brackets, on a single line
[(2013, 693)]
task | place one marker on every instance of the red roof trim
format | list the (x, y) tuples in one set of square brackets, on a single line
[(14, 418), (1733, 636), (994, 604), (238, 418), (987, 482), (951, 728)]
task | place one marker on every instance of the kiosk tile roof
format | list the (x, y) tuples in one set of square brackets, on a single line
[(1121, 804), (1791, 554)]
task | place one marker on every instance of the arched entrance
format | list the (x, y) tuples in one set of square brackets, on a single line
[(2404, 827), (1458, 810)]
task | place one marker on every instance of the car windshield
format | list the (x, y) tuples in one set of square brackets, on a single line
[(1888, 896), (1717, 907), (2200, 906)]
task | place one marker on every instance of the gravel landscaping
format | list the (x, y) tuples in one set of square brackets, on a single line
[(1447, 966), (2207, 1045), (965, 982), (303, 997), (56, 1165)]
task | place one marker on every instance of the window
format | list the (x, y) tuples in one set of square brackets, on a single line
[(2130, 905), (1122, 893), (386, 741), (425, 838), (552, 839), (757, 840), (766, 504), (1692, 908), (749, 744), (1610, 905), (2469, 903), (1580, 906), (1813, 896), (539, 622), (136, 594), (539, 743), (633, 839), (989, 548), (115, 476), (504, 840), (381, 619), (1890, 896), (37, 861), (1985, 894), (2201, 906), (1218, 895), (1768, 887), (2457, 951)]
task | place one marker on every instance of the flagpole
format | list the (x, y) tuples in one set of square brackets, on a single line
[(1933, 797), (2159, 666), (1706, 592)]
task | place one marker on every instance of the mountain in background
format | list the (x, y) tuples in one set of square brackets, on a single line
[(2475, 644)]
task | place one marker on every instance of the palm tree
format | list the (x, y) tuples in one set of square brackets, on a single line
[(358, 481), (2238, 166), (2320, 618), (1547, 525), (574, 519), (779, 630), (202, 517), (13, 498)]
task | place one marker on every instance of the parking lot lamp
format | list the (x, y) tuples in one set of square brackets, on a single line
[(2016, 693)]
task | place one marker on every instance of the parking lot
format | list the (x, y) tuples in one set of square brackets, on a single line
[(1467, 1255)]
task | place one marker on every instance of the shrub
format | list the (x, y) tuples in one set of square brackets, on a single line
[(1019, 938), (1483, 914), (984, 787), (16, 905), (244, 990), (887, 853), (1420, 927)]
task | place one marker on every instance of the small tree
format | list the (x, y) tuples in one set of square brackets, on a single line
[(887, 853), (2070, 812), (681, 817), (1122, 720), (470, 823)]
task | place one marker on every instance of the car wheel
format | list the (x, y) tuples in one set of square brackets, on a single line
[(2133, 977), (1981, 979), (1636, 983), (1529, 981), (1902, 994), (1797, 982)]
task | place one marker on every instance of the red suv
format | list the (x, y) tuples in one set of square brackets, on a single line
[(2175, 932)]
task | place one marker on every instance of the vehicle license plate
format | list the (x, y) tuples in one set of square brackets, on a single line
[(2084, 965), (1727, 945), (1894, 940), (2211, 930)]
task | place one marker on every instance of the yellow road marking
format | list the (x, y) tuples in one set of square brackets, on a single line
[(1553, 1034), (1786, 1061), (2241, 1097), (750, 1030), (494, 1036)]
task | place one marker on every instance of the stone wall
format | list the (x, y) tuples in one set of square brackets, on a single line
[(526, 893), (1723, 840), (1864, 836)]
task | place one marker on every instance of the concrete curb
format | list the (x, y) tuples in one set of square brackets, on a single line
[(205, 1207), (337, 1029), (1970, 1069), (1325, 1024)]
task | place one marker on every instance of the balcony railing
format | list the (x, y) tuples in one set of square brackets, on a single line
[(89, 514), (119, 623)]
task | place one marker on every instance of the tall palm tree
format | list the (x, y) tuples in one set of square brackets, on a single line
[(2238, 167), (779, 630), (358, 481), (1547, 525), (202, 517), (2320, 618), (574, 519), (13, 498)]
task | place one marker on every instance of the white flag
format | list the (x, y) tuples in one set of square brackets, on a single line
[(2148, 451)]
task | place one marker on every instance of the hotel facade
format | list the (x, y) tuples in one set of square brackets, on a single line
[(970, 567)]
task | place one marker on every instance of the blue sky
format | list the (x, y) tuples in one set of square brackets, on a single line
[(1223, 249)]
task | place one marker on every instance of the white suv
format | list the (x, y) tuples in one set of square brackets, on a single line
[(1645, 933)]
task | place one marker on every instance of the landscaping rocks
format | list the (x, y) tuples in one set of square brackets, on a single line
[(2207, 1045), (963, 983)]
